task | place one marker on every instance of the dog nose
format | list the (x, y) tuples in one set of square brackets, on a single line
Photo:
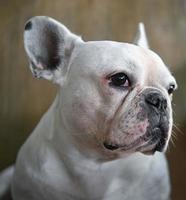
[(156, 100), (111, 147)]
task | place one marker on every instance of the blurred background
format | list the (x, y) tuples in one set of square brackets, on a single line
[(24, 99)]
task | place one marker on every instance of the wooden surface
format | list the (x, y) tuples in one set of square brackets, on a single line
[(24, 99)]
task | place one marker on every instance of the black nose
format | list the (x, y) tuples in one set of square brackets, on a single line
[(111, 147), (156, 100)]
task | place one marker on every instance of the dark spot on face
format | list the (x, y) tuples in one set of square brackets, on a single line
[(28, 26), (129, 112), (142, 115)]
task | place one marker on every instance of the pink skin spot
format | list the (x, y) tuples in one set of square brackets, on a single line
[(135, 132), (141, 130)]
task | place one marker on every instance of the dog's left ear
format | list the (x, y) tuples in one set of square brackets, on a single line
[(49, 45), (141, 38)]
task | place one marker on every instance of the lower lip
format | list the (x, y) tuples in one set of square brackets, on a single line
[(149, 153)]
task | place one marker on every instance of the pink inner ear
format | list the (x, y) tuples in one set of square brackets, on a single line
[(40, 66)]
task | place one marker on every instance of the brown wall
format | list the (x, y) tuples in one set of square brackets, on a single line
[(23, 99)]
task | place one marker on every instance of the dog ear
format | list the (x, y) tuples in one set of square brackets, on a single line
[(49, 45), (141, 38)]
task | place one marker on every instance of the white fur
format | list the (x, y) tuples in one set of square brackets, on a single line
[(64, 157)]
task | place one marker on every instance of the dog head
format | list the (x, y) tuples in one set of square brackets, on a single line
[(114, 97)]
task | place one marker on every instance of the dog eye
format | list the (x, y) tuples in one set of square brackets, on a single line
[(120, 80), (171, 89)]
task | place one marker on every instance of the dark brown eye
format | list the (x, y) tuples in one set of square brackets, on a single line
[(171, 89), (119, 80)]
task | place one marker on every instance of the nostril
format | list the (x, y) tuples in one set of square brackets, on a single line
[(111, 147), (152, 99), (156, 100)]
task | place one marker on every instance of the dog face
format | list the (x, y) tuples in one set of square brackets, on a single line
[(114, 97)]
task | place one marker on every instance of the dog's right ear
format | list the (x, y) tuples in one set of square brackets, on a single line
[(141, 38), (49, 45)]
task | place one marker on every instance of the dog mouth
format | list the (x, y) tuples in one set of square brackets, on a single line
[(147, 144), (148, 130)]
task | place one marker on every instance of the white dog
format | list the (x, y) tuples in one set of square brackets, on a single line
[(103, 137)]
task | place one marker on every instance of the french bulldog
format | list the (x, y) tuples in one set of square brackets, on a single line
[(105, 134)]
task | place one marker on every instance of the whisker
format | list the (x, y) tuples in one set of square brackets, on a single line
[(174, 135), (172, 142), (178, 129)]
